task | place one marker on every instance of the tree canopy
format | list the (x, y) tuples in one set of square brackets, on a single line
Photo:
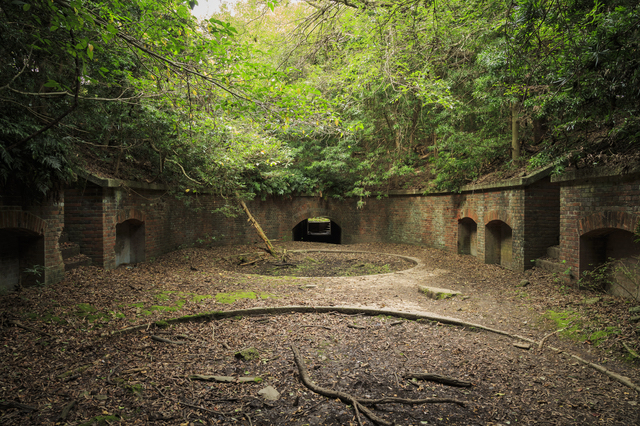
[(331, 97)]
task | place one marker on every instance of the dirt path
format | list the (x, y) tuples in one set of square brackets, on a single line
[(62, 365)]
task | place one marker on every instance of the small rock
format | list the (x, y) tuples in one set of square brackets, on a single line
[(524, 346), (591, 301), (635, 319), (248, 354), (270, 393), (634, 310), (523, 283)]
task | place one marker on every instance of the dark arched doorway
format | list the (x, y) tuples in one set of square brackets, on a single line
[(129, 242), (467, 236), (21, 258), (319, 230), (619, 251)]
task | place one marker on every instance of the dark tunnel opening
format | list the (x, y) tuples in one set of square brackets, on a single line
[(318, 230)]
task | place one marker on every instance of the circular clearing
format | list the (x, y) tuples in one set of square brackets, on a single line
[(319, 263)]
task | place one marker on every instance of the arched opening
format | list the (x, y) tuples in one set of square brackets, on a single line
[(618, 250), (21, 258), (498, 243), (467, 236), (129, 242), (318, 230)]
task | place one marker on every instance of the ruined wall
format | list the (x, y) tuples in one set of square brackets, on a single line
[(29, 235), (595, 203)]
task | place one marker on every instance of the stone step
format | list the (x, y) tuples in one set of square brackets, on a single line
[(553, 252), (69, 250), (551, 265), (76, 262), (438, 293)]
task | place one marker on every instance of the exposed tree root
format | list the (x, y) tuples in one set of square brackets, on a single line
[(359, 403), (350, 310)]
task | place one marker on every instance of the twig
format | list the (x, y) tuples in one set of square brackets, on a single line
[(633, 353), (248, 418), (359, 327), (162, 339), (24, 327), (438, 378)]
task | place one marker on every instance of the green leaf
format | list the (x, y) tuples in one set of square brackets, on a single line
[(26, 7)]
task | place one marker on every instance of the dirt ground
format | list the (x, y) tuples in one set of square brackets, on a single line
[(70, 357)]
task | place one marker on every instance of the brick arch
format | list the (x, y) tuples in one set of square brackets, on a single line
[(471, 214), (22, 220), (124, 215), (497, 215), (608, 219), (314, 212)]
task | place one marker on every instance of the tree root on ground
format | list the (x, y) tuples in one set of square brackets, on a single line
[(351, 310), (359, 404), (445, 380)]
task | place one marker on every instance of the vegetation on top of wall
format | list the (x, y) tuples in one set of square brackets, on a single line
[(327, 97)]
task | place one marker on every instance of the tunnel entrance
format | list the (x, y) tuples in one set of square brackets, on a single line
[(617, 251), (129, 242), (318, 230), (498, 243), (467, 236), (21, 258)]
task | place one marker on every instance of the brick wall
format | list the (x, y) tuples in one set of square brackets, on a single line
[(593, 200), (29, 235)]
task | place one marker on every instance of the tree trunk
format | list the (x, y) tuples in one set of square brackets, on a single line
[(515, 143)]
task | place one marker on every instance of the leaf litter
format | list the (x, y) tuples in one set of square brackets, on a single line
[(62, 365)]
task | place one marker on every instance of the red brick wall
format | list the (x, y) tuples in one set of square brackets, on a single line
[(595, 202)]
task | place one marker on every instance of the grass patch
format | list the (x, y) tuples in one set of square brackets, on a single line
[(577, 328)]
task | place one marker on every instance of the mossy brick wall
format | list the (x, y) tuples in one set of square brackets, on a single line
[(592, 202), (38, 222)]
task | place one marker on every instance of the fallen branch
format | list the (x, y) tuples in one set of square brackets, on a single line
[(65, 411), (24, 327), (438, 378), (633, 353), (4, 405), (163, 340), (360, 402)]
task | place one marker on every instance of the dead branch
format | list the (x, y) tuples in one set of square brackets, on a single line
[(633, 353), (24, 327), (65, 411), (163, 340), (12, 404), (349, 399), (437, 378)]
